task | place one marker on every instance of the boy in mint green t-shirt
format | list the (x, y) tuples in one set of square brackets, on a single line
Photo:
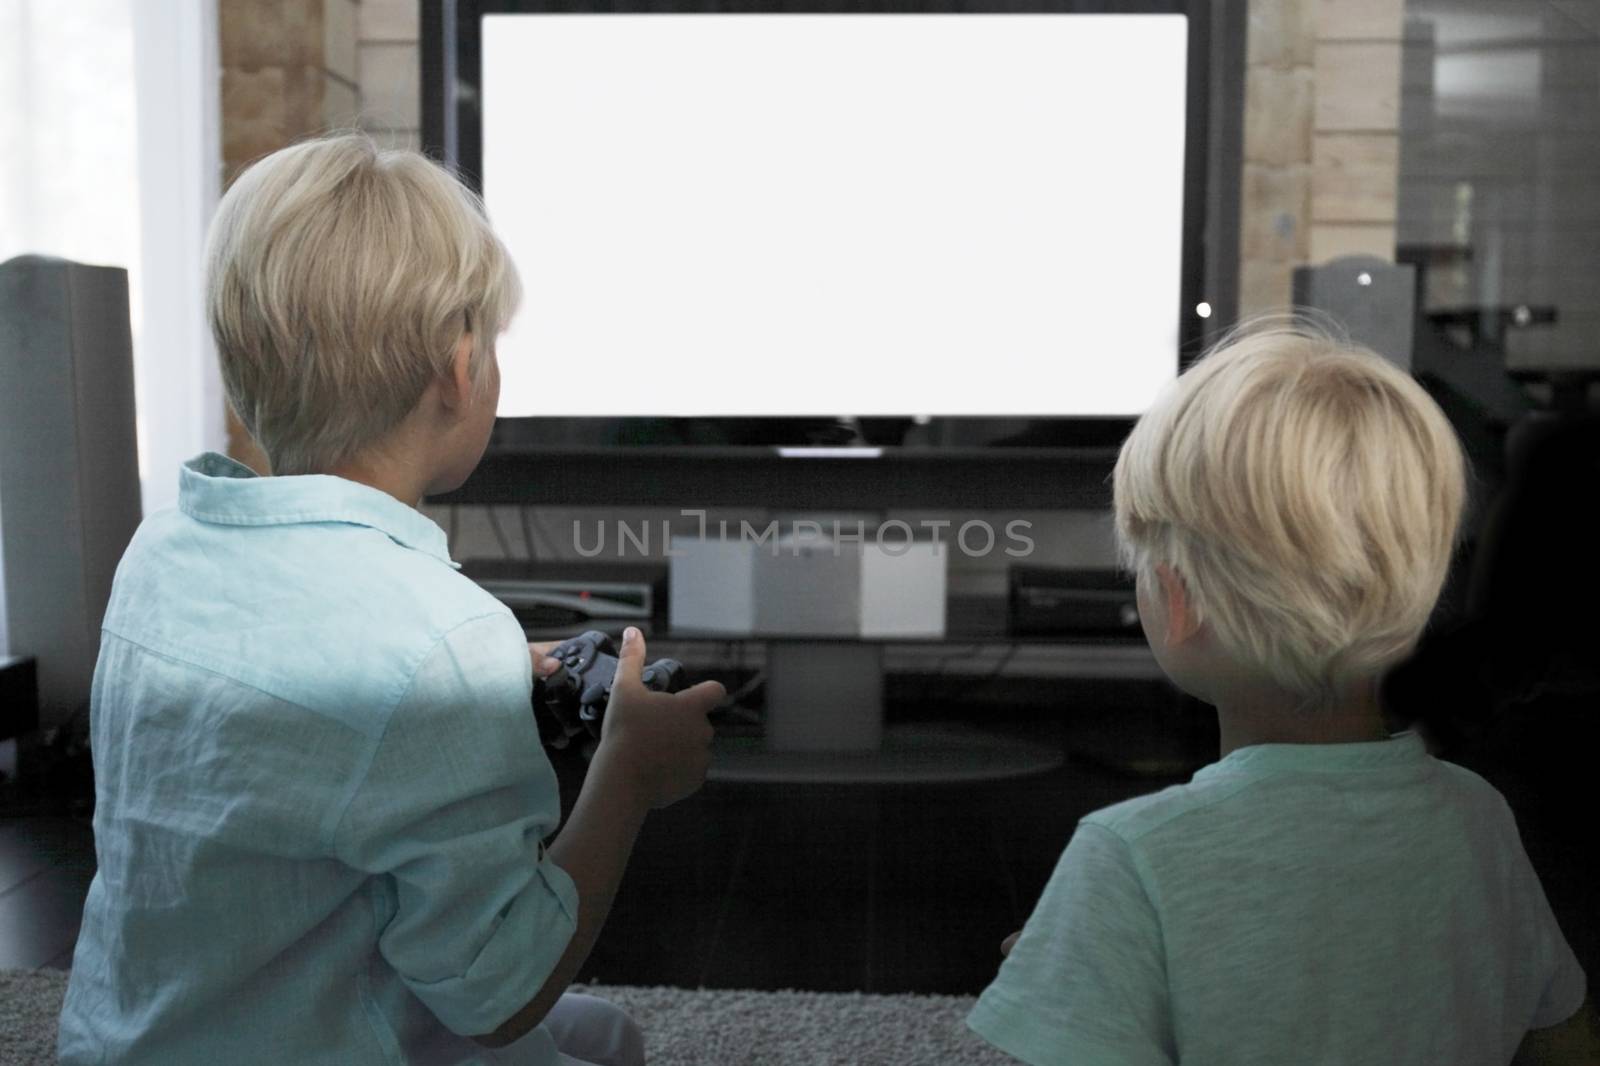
[(1326, 893)]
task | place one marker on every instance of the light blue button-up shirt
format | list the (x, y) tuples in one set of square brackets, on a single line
[(320, 793)]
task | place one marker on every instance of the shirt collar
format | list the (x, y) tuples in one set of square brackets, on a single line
[(1399, 750), (213, 488)]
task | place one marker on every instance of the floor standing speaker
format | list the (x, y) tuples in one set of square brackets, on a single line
[(69, 468), (1372, 301)]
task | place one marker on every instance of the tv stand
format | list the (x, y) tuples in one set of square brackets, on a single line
[(823, 720)]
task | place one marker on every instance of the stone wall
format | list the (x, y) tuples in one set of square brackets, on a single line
[(389, 65), (289, 70), (1321, 151)]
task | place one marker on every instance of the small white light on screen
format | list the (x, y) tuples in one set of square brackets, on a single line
[(1202, 309), (1363, 278)]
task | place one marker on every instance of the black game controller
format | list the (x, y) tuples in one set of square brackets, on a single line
[(572, 700)]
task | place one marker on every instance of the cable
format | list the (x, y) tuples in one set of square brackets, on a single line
[(1576, 20), (499, 533), (961, 689), (732, 699), (527, 533), (930, 682), (545, 543), (977, 684)]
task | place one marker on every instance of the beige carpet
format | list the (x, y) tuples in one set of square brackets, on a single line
[(682, 1027)]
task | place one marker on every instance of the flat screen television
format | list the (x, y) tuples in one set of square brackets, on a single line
[(831, 227)]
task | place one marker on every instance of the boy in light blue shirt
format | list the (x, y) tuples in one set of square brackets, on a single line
[(1326, 893), (321, 801)]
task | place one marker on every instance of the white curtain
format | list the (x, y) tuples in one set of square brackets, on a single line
[(109, 154), (180, 174), (68, 155)]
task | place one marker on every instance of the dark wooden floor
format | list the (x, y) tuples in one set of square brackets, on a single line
[(906, 888), (837, 888), (885, 889), (891, 889), (46, 863)]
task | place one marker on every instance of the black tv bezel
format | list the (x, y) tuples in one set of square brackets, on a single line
[(452, 132)]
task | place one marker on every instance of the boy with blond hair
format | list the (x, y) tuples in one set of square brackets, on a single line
[(321, 801), (1326, 893)]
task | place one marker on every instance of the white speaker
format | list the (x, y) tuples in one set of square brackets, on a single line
[(69, 468)]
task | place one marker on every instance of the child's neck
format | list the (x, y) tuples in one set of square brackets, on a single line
[(399, 480), (399, 465), (1266, 716)]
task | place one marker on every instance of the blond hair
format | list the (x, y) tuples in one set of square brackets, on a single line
[(1308, 493), (340, 279)]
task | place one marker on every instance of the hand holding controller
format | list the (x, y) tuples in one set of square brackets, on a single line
[(573, 698), (661, 741), (659, 738)]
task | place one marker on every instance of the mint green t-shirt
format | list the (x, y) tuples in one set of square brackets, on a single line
[(1309, 904), (320, 793)]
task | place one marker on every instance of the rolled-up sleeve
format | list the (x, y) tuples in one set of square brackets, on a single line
[(450, 817)]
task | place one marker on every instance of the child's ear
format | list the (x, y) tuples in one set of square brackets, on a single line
[(457, 391), (1183, 622)]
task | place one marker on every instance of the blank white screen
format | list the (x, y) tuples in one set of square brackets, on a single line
[(765, 215)]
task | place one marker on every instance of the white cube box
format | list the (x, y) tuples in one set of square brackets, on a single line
[(903, 588), (711, 585), (806, 584)]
